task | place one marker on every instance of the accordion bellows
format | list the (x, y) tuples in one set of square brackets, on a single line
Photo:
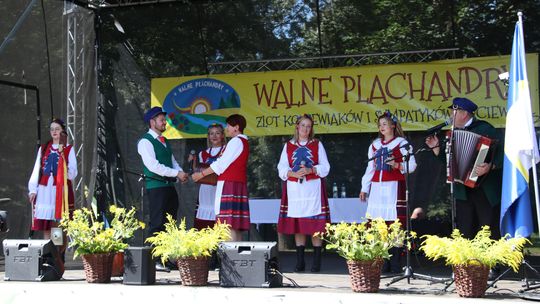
[(468, 151)]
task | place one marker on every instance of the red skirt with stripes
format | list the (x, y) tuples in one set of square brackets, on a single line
[(46, 225), (234, 205), (303, 225)]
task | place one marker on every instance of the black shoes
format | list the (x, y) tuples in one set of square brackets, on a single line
[(161, 267)]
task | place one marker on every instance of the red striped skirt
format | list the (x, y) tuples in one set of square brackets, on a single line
[(46, 225), (303, 225), (234, 205)]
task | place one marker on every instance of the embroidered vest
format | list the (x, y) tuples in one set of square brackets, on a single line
[(237, 170), (308, 154), (164, 157), (384, 172)]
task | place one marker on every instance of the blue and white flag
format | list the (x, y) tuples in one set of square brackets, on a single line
[(520, 146)]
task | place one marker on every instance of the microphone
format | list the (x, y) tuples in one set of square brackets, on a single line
[(302, 163), (438, 127), (192, 153)]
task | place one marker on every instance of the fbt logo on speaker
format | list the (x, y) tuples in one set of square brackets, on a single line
[(244, 263), (22, 259)]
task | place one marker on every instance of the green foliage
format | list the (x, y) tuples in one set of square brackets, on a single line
[(89, 236), (458, 250), (365, 241), (177, 242)]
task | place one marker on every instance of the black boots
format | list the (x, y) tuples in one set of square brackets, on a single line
[(393, 264), (395, 259), (300, 263), (316, 267)]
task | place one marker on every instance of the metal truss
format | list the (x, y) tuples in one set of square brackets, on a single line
[(102, 4), (75, 97), (330, 61)]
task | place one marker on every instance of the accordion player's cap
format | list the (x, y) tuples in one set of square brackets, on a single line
[(464, 104)]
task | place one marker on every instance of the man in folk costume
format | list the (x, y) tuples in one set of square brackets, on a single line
[(232, 199), (479, 206), (161, 170), (50, 185), (303, 165)]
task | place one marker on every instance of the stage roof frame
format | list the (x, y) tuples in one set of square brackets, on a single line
[(330, 61), (109, 4)]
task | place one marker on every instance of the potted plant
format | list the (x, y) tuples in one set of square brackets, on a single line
[(190, 247), (364, 246), (472, 259), (96, 242)]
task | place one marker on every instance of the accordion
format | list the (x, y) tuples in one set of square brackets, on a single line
[(468, 151), (210, 179)]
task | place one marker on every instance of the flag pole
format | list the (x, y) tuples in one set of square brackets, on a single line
[(533, 135)]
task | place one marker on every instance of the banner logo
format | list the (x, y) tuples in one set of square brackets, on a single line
[(194, 105)]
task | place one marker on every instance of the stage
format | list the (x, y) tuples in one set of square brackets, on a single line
[(332, 285)]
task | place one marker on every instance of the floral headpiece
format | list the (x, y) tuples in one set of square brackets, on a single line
[(60, 122), (389, 115)]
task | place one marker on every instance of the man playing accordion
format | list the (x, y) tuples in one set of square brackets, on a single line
[(478, 206)]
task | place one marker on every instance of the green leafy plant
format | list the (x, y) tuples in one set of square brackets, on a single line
[(178, 242), (90, 236), (458, 250), (365, 241)]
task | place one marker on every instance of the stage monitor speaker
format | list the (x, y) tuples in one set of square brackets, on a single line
[(139, 268), (249, 264), (32, 260)]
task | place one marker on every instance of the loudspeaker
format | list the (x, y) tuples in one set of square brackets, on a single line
[(139, 268), (249, 264), (32, 260)]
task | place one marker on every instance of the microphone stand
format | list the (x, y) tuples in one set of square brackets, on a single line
[(450, 167), (408, 272), (450, 173)]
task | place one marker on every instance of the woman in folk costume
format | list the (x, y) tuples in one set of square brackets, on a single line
[(50, 186), (383, 184), (304, 203), (205, 216), (232, 201)]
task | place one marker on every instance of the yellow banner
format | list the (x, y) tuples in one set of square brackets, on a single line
[(340, 100)]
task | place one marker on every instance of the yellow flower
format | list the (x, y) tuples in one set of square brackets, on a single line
[(458, 250), (364, 241)]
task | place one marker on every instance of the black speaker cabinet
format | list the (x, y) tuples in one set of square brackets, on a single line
[(249, 264), (32, 260), (139, 268)]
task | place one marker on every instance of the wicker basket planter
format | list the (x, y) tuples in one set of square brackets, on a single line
[(365, 275), (193, 271), (98, 267), (471, 280)]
